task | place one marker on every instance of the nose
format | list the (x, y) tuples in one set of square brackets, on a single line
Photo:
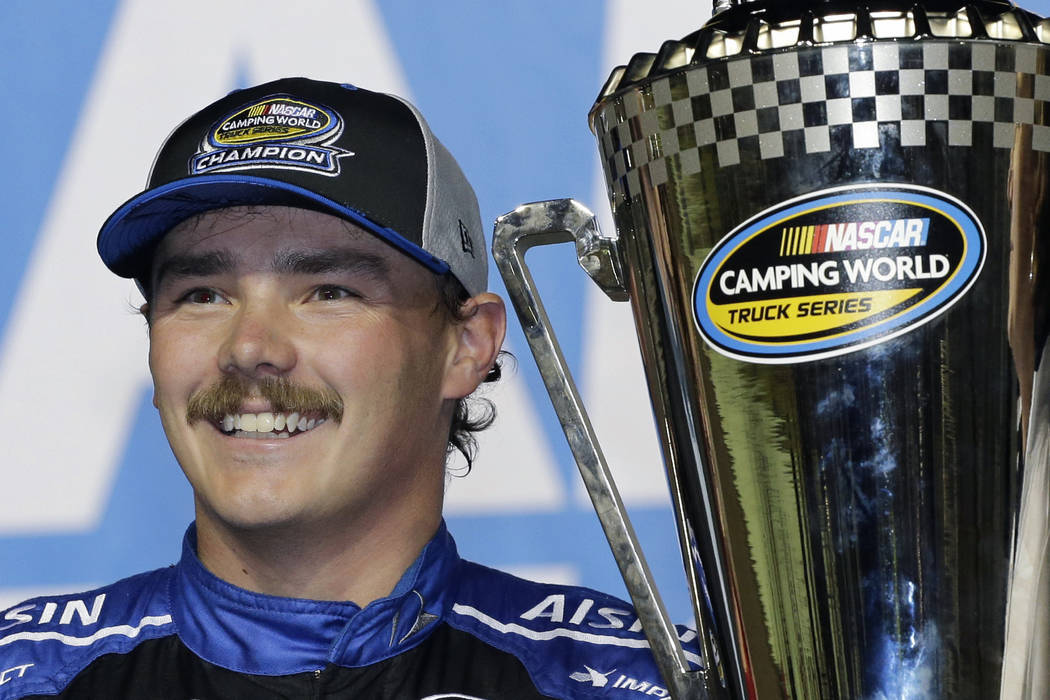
[(258, 343)]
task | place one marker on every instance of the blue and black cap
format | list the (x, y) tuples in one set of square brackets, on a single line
[(364, 156)]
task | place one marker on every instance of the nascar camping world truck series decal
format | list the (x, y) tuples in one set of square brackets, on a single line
[(836, 271), (279, 131)]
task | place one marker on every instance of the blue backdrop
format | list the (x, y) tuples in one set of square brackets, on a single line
[(88, 489)]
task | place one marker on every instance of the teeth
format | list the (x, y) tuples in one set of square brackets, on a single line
[(267, 425), (264, 422)]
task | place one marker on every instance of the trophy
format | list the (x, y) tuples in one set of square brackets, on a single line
[(829, 224)]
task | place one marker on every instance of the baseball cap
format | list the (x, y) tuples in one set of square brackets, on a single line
[(365, 156)]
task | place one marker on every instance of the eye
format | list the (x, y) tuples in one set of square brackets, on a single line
[(330, 292), (202, 295)]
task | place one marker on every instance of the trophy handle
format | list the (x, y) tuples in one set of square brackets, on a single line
[(561, 221)]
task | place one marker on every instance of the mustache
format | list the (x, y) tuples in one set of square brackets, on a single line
[(232, 391)]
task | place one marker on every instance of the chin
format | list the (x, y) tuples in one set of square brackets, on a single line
[(257, 510)]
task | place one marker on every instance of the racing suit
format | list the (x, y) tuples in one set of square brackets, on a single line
[(450, 629)]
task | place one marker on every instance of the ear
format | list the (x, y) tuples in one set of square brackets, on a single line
[(478, 340)]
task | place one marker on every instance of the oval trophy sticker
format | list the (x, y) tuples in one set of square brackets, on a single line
[(836, 271)]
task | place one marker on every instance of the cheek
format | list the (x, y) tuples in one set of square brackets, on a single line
[(379, 371), (355, 367), (177, 364)]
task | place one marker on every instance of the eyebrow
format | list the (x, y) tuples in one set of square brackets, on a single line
[(294, 262), (298, 262), (193, 265)]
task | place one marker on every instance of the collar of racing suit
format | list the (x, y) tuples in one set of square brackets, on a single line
[(268, 635)]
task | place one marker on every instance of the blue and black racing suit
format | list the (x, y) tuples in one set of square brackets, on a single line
[(450, 629)]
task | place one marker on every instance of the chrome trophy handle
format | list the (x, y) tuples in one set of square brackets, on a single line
[(562, 221)]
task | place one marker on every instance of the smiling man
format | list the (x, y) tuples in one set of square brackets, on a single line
[(313, 265)]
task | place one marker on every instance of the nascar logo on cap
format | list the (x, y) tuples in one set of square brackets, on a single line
[(276, 132)]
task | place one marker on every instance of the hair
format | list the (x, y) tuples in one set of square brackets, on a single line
[(471, 414)]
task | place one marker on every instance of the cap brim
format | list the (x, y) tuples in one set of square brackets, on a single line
[(129, 236)]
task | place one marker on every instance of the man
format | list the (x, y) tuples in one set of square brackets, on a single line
[(314, 271)]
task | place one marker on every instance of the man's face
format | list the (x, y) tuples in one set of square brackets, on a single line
[(331, 350)]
